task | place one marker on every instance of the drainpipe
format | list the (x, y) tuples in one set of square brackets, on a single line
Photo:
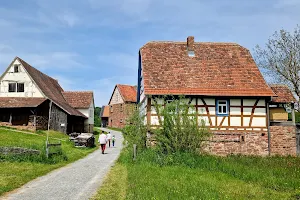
[(268, 126)]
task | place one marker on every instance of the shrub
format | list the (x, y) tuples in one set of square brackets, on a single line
[(135, 131), (180, 129)]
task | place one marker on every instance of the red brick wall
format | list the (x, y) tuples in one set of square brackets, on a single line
[(248, 143), (283, 140), (120, 112)]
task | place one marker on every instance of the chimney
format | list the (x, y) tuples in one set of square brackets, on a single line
[(190, 43)]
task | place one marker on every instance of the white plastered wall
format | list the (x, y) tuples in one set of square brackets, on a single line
[(116, 97), (30, 89), (88, 112)]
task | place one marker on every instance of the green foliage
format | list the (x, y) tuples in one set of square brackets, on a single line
[(97, 118), (297, 117), (180, 131), (135, 131), (17, 170), (188, 176)]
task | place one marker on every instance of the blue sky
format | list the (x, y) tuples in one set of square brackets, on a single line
[(93, 44)]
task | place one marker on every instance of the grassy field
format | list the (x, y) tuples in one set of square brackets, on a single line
[(184, 176), (16, 170)]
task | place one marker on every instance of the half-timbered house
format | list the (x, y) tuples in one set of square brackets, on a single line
[(121, 105), (220, 80), (30, 99)]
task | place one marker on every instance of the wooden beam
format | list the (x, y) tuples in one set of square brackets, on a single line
[(148, 111), (252, 112), (207, 111), (242, 112)]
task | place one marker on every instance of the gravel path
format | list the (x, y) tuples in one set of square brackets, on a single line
[(78, 180)]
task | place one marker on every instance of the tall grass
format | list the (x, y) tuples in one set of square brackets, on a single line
[(189, 176)]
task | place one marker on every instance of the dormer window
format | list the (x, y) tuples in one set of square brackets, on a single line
[(16, 68)]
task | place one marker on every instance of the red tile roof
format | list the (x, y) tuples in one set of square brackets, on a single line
[(79, 99), (105, 111), (284, 94), (50, 88), (19, 102), (217, 69), (128, 92)]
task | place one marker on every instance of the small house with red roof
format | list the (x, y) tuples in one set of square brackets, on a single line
[(223, 83), (83, 101), (121, 105), (104, 114), (30, 99)]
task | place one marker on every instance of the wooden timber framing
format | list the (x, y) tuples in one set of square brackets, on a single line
[(226, 123), (148, 111), (252, 112)]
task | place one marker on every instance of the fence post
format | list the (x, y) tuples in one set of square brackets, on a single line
[(134, 151), (47, 149)]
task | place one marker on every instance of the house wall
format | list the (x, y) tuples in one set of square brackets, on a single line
[(283, 140), (30, 89), (116, 97), (119, 113), (59, 119), (238, 142), (245, 114), (88, 123)]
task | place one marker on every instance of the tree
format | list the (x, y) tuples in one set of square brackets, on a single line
[(280, 59), (97, 119)]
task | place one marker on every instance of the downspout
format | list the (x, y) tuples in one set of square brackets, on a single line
[(268, 127)]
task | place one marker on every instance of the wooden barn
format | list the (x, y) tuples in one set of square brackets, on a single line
[(34, 101)]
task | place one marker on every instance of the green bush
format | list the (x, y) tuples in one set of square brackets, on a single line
[(181, 131), (135, 131), (297, 117)]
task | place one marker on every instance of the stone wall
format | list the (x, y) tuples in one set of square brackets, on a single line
[(18, 150), (283, 140), (25, 128), (119, 113), (245, 143)]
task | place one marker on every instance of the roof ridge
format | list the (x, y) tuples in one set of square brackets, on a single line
[(36, 69), (181, 42), (124, 84), (90, 91)]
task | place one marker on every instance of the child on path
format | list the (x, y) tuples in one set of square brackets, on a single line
[(108, 138), (113, 140), (102, 140)]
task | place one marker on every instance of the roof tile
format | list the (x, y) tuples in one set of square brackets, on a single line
[(284, 94), (216, 69), (79, 99)]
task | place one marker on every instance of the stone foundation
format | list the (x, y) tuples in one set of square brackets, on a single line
[(245, 143), (26, 128), (283, 140)]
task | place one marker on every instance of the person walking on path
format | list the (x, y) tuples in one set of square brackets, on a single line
[(102, 140), (113, 139), (108, 138)]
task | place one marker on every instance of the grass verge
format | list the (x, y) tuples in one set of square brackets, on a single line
[(15, 171), (185, 176), (115, 184)]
